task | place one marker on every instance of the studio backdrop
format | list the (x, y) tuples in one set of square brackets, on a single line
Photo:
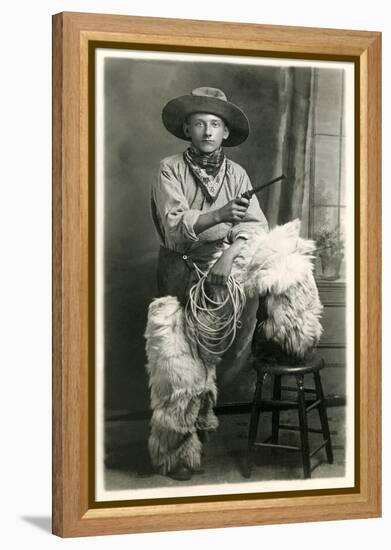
[(296, 116)]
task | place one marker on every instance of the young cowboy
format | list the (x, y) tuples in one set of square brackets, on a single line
[(200, 218)]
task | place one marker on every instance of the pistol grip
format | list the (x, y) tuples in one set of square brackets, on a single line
[(246, 195)]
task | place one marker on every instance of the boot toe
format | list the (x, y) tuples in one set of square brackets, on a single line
[(180, 473)]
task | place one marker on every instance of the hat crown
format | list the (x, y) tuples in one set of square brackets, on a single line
[(206, 91)]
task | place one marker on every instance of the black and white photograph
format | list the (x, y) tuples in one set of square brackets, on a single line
[(224, 274)]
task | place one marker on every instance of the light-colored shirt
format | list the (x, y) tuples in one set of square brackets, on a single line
[(179, 201)]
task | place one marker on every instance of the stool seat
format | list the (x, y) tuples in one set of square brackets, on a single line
[(310, 365), (313, 364)]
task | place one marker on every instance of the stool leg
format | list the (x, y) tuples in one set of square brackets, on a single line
[(276, 412), (323, 417), (254, 421), (305, 449)]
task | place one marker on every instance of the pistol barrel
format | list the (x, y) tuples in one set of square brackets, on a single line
[(248, 194)]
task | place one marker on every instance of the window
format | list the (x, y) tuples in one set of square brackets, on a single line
[(327, 204)]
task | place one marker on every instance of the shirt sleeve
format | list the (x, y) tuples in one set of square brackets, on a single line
[(176, 218), (254, 219)]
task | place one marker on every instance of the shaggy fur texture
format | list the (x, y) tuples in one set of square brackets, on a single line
[(183, 388), (277, 265)]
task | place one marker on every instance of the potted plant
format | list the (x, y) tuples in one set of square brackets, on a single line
[(330, 246)]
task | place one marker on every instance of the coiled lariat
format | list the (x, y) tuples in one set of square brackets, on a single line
[(212, 324)]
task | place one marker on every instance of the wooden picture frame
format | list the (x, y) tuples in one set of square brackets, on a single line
[(75, 35)]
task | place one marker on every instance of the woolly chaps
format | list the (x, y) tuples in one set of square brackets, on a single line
[(183, 389), (276, 265)]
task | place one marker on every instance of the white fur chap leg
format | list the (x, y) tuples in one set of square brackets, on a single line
[(182, 386)]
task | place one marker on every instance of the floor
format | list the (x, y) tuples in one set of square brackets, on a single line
[(128, 467)]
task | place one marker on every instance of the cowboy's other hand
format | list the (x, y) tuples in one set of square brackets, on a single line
[(234, 210), (220, 271)]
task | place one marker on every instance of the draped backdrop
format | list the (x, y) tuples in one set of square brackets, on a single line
[(277, 101)]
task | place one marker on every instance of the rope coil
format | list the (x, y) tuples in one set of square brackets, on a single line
[(212, 323)]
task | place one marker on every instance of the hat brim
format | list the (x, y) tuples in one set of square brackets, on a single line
[(176, 111)]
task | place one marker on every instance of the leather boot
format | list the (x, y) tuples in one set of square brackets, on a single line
[(180, 472)]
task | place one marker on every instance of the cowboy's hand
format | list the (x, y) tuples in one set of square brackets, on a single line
[(234, 210), (220, 271)]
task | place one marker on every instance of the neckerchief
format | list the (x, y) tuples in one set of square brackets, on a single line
[(208, 170)]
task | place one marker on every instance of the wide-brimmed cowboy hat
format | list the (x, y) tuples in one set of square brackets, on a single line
[(206, 100)]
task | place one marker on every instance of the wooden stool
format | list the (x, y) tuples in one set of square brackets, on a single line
[(311, 366)]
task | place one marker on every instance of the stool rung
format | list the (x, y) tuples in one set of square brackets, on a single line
[(313, 405), (280, 403), (278, 446), (319, 448), (292, 388), (297, 428)]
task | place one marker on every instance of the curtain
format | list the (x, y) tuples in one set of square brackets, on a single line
[(289, 199)]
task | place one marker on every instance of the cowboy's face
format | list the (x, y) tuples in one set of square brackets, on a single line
[(206, 131)]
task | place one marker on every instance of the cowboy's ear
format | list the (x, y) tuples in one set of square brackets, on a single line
[(226, 131), (186, 129)]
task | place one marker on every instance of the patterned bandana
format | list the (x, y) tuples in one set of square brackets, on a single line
[(208, 170)]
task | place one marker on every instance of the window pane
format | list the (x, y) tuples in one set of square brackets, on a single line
[(329, 101), (325, 217), (342, 197), (329, 219), (326, 170)]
